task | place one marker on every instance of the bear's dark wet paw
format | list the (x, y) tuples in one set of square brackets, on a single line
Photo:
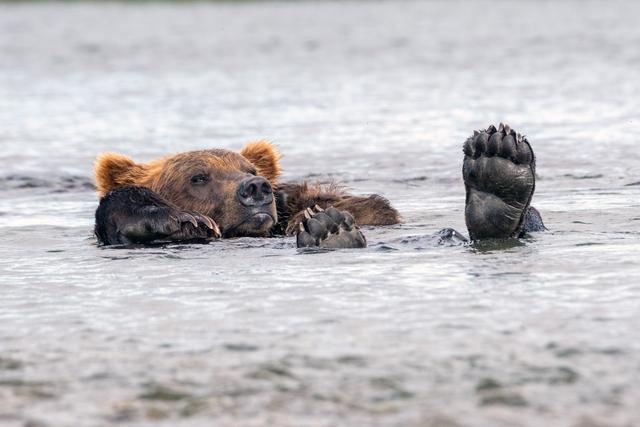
[(329, 228), (165, 224), (499, 178), (133, 214)]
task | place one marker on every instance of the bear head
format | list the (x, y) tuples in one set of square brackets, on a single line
[(235, 189)]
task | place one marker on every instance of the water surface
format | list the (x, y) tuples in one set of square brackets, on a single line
[(377, 95)]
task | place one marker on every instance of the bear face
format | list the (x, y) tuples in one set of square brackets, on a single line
[(234, 189)]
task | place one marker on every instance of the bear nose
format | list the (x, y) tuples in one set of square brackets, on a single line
[(255, 191)]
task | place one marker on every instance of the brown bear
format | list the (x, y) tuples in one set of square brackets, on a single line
[(221, 193)]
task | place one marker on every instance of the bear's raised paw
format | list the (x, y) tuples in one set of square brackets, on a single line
[(329, 228), (499, 177)]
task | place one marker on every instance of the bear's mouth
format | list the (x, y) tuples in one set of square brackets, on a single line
[(260, 220), (256, 224)]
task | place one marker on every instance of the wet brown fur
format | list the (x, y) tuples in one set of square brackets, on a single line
[(366, 210), (113, 170), (265, 158)]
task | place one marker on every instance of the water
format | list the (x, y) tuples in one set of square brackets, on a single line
[(380, 96)]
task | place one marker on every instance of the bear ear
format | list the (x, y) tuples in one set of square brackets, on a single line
[(113, 170), (265, 158)]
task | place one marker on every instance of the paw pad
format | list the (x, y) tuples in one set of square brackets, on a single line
[(329, 228), (499, 177)]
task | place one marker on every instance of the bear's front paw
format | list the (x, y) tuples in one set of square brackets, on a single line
[(329, 228)]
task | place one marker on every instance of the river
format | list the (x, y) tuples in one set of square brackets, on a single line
[(379, 96)]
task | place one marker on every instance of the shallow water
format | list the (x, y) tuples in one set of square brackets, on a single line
[(379, 96)]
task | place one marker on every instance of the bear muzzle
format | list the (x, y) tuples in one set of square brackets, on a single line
[(257, 222), (255, 213)]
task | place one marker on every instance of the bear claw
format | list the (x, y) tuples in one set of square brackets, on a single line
[(329, 228), (192, 225)]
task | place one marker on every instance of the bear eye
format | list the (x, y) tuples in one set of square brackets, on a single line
[(200, 178), (253, 172)]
